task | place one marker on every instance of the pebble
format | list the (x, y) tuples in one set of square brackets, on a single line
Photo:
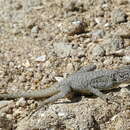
[(17, 112), (32, 38), (21, 102), (26, 63), (98, 51), (126, 59), (76, 27), (41, 58), (98, 20), (124, 92), (119, 52), (62, 114), (30, 23), (112, 44), (108, 61), (97, 34), (59, 79), (118, 16), (35, 29), (62, 49), (107, 25), (69, 68)]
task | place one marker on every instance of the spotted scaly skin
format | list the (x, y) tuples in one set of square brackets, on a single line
[(87, 80)]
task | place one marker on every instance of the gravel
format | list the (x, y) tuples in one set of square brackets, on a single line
[(43, 41)]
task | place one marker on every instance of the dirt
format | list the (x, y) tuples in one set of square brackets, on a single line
[(42, 41)]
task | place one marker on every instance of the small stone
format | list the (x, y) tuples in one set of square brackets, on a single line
[(79, 52), (107, 25), (69, 68), (35, 29), (62, 49), (126, 59), (112, 44), (118, 16), (26, 63), (98, 20), (59, 79), (108, 61), (119, 52), (40, 58), (124, 92), (17, 112), (30, 23), (9, 116), (76, 27), (61, 114), (98, 51), (21, 102), (97, 34)]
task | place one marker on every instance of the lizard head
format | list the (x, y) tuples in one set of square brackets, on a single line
[(122, 75)]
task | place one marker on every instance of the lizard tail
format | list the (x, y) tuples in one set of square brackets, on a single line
[(43, 93)]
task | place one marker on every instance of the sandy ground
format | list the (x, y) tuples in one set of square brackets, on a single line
[(42, 41)]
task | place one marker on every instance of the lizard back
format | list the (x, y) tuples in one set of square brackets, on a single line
[(99, 79)]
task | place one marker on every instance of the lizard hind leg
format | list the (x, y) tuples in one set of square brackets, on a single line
[(97, 93), (52, 99), (63, 93)]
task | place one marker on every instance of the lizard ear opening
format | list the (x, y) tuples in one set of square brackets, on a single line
[(114, 77)]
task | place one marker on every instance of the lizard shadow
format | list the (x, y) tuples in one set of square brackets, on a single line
[(78, 97)]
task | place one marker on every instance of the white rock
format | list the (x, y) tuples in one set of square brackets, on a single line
[(62, 114), (76, 22), (126, 59), (40, 58), (35, 29), (21, 102), (59, 79), (120, 52), (69, 68)]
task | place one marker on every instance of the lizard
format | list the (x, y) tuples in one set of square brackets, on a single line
[(87, 80)]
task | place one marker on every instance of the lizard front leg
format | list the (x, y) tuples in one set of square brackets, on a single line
[(88, 68), (98, 93)]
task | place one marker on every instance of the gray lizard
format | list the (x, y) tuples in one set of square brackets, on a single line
[(86, 80)]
